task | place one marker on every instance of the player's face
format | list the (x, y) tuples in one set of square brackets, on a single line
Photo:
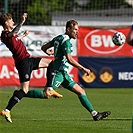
[(9, 24), (73, 33)]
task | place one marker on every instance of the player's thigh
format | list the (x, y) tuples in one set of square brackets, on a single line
[(68, 82), (24, 68), (44, 63), (57, 80)]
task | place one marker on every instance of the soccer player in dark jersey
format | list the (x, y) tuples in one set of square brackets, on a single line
[(129, 38), (23, 62), (62, 58)]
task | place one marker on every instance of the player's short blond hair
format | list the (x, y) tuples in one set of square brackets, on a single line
[(71, 23)]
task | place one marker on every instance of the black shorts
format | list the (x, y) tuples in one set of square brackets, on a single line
[(25, 68)]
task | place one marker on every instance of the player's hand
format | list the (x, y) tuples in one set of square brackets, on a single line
[(88, 71), (24, 16), (50, 51), (26, 32)]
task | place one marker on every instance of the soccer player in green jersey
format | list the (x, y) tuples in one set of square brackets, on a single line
[(62, 58)]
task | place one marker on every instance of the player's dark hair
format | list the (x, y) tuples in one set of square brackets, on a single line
[(71, 23), (4, 17)]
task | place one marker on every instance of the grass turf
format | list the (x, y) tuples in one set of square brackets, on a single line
[(67, 115)]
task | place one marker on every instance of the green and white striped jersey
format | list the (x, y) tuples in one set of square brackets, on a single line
[(62, 46)]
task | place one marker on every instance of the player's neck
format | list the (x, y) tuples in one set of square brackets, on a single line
[(7, 29)]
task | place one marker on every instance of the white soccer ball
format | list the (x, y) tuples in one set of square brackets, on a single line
[(118, 38)]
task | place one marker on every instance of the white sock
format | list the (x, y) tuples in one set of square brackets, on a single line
[(49, 88), (94, 113), (6, 110)]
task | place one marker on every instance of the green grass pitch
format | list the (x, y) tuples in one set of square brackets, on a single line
[(66, 115)]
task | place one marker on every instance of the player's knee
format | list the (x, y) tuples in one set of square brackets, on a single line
[(78, 90), (25, 90), (82, 91)]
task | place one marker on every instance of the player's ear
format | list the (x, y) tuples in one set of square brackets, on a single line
[(68, 29), (6, 23)]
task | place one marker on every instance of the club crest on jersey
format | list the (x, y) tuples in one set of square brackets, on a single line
[(26, 76)]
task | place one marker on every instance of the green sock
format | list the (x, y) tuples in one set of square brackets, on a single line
[(86, 103), (35, 94)]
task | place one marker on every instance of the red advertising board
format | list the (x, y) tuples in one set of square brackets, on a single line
[(9, 75), (98, 42)]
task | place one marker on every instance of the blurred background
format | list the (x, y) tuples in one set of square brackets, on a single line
[(98, 20), (57, 12)]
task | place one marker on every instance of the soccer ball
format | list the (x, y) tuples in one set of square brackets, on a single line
[(118, 38)]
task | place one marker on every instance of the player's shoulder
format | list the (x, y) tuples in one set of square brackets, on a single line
[(65, 37), (5, 32), (62, 37)]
